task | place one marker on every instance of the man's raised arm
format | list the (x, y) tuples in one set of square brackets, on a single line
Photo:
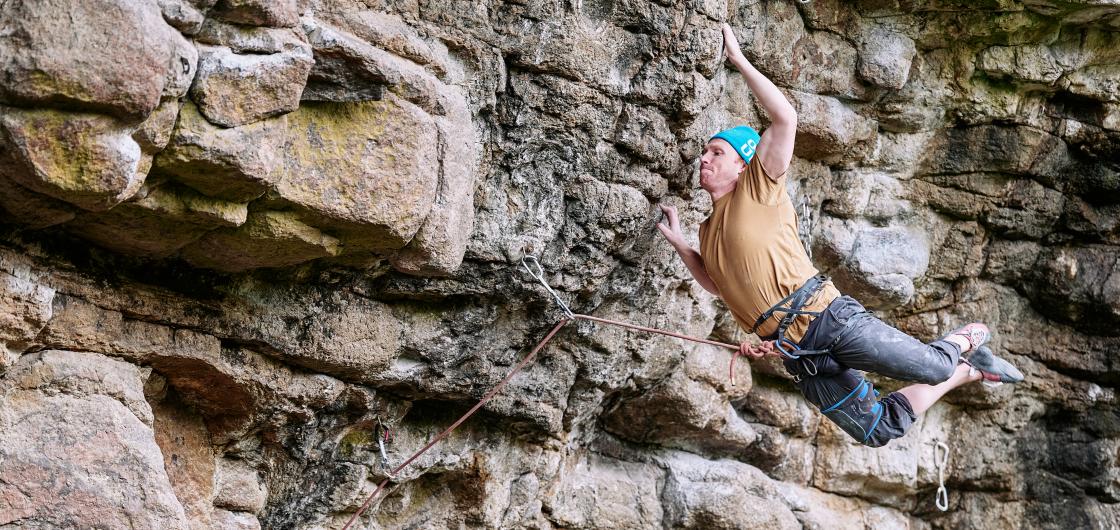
[(776, 147)]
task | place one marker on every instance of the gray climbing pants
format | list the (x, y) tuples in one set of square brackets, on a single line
[(858, 340)]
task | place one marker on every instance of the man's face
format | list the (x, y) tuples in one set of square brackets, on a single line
[(719, 165)]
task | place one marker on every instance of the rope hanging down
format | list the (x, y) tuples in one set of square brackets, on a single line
[(569, 316), (489, 395)]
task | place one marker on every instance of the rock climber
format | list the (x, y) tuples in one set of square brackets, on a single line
[(750, 256)]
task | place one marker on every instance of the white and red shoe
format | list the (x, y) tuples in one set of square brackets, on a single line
[(976, 334)]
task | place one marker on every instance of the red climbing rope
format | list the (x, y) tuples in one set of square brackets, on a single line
[(489, 395), (734, 348), (570, 316), (533, 267), (458, 422), (655, 330)]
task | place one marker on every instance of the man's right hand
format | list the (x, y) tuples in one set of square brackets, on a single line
[(759, 351), (671, 226)]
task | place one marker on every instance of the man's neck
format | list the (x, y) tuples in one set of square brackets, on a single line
[(722, 190)]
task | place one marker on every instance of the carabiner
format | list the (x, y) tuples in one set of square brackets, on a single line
[(786, 341)]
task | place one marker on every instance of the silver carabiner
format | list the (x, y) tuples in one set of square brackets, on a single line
[(806, 362), (941, 459), (942, 501), (539, 275)]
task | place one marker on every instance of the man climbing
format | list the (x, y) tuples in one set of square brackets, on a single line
[(751, 256)]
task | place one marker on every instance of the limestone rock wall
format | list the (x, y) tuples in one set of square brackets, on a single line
[(241, 238)]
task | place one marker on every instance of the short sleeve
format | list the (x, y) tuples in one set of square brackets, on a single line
[(762, 188)]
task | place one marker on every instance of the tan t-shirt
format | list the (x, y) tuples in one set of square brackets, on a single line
[(752, 252)]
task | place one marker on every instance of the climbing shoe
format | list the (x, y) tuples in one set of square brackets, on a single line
[(976, 334), (995, 371)]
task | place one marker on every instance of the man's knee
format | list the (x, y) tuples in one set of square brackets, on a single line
[(890, 418), (939, 372)]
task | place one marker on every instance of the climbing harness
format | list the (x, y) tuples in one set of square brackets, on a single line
[(941, 461), (858, 413), (569, 317), (797, 299)]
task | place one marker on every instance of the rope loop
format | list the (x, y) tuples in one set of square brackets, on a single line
[(941, 459), (539, 276)]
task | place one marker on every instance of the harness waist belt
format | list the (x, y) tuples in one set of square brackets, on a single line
[(796, 300)]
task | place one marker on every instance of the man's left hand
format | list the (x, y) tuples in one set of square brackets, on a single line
[(731, 48)]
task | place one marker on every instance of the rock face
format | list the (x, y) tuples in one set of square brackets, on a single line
[(119, 60), (73, 422), (85, 159), (255, 254)]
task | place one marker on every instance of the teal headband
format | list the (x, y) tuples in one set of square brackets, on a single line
[(744, 139)]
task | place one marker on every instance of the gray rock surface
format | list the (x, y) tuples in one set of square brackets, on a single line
[(72, 423), (88, 160), (244, 240), (886, 57), (185, 15), (281, 13), (26, 311)]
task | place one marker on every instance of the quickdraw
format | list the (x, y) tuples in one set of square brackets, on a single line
[(384, 435), (941, 459)]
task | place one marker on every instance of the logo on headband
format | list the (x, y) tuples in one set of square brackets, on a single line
[(747, 149)]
